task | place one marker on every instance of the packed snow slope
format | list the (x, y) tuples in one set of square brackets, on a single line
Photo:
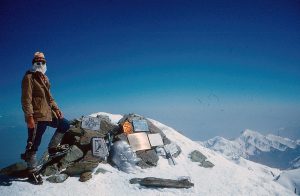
[(271, 150), (225, 178), (290, 179)]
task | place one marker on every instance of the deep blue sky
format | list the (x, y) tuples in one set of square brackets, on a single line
[(205, 68)]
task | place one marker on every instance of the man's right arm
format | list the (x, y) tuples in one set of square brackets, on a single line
[(27, 100)]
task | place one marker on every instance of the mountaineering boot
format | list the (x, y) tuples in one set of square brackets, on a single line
[(54, 143), (32, 167), (31, 160), (58, 150), (54, 146)]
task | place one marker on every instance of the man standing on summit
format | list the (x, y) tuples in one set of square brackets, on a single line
[(40, 111)]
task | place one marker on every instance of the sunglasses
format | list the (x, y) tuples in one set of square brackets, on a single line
[(40, 62)]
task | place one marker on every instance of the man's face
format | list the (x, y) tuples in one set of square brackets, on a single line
[(40, 60)]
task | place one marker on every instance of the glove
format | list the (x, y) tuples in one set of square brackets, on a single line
[(59, 114), (30, 122)]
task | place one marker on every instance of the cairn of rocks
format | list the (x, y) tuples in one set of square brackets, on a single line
[(80, 161)]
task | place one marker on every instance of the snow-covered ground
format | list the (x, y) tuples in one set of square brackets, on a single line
[(225, 178), (290, 179)]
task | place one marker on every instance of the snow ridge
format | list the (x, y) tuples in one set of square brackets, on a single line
[(250, 143)]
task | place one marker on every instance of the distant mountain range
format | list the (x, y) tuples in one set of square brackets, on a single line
[(270, 150)]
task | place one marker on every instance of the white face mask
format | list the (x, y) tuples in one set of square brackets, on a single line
[(38, 66)]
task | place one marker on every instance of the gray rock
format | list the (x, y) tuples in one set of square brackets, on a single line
[(88, 157), (80, 167), (207, 164), (122, 137), (14, 168), (72, 136), (74, 154), (75, 131), (106, 125), (85, 176), (51, 170), (197, 156), (85, 139), (104, 117), (149, 158), (162, 183), (57, 178)]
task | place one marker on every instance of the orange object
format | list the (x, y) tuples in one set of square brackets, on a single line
[(127, 128)]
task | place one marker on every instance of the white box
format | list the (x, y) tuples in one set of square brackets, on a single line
[(155, 139)]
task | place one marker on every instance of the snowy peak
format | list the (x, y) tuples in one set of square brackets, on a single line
[(253, 145), (226, 147), (251, 133), (280, 142), (217, 140), (253, 140)]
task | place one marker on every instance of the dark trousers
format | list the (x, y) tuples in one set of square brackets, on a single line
[(35, 136)]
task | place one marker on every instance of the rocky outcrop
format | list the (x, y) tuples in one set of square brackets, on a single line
[(197, 156), (85, 176), (79, 158)]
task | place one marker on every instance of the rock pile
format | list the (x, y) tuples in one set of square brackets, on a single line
[(79, 161)]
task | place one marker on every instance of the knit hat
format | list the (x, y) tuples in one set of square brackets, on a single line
[(38, 55)]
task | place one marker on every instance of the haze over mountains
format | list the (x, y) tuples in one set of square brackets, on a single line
[(270, 150)]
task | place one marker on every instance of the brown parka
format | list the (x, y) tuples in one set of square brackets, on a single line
[(36, 99)]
